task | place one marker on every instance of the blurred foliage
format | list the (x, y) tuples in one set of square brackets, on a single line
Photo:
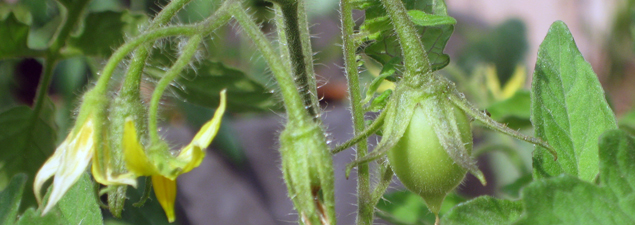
[(505, 46)]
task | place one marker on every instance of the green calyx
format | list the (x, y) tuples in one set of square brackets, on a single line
[(308, 172)]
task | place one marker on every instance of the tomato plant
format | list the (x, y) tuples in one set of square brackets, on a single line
[(61, 165)]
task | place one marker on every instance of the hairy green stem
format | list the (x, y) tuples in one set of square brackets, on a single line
[(365, 208), (291, 98), (124, 50), (219, 18), (415, 57), (298, 51), (362, 135), (184, 59)]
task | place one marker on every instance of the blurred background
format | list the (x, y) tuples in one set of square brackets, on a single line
[(493, 51)]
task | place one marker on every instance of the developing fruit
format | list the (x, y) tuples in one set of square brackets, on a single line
[(420, 159)]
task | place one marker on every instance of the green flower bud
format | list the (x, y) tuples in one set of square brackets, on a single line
[(308, 172)]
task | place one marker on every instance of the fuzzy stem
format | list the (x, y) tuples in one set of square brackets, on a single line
[(415, 57), (298, 45), (219, 18), (133, 75), (184, 59), (282, 36), (124, 50), (291, 98), (362, 135), (365, 208)]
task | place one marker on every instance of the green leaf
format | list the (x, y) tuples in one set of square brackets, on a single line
[(627, 121), (484, 210), (434, 37), (78, 206), (105, 31), (421, 18), (405, 207), (203, 85), (26, 143), (568, 200), (14, 35), (514, 111), (10, 199), (569, 110), (617, 164)]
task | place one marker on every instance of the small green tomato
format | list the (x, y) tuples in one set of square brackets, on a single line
[(420, 160)]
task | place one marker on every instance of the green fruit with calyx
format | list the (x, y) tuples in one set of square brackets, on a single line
[(419, 158)]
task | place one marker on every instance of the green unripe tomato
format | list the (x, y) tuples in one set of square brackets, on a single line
[(420, 160)]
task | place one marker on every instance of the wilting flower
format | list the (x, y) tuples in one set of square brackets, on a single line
[(161, 165), (73, 155)]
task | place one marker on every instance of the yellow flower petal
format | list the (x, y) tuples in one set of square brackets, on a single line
[(137, 160), (194, 153), (516, 82), (206, 134), (104, 174), (75, 159), (491, 79), (165, 190)]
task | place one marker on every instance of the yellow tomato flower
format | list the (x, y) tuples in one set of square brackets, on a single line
[(162, 166)]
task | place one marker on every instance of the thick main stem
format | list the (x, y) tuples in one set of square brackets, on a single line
[(365, 210)]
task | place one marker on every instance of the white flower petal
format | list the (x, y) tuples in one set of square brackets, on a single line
[(49, 168), (74, 162)]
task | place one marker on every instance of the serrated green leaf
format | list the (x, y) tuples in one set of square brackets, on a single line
[(514, 111), (568, 200), (484, 210), (26, 144), (617, 164), (78, 206), (434, 38), (203, 85), (569, 110), (105, 31), (10, 199), (14, 35)]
